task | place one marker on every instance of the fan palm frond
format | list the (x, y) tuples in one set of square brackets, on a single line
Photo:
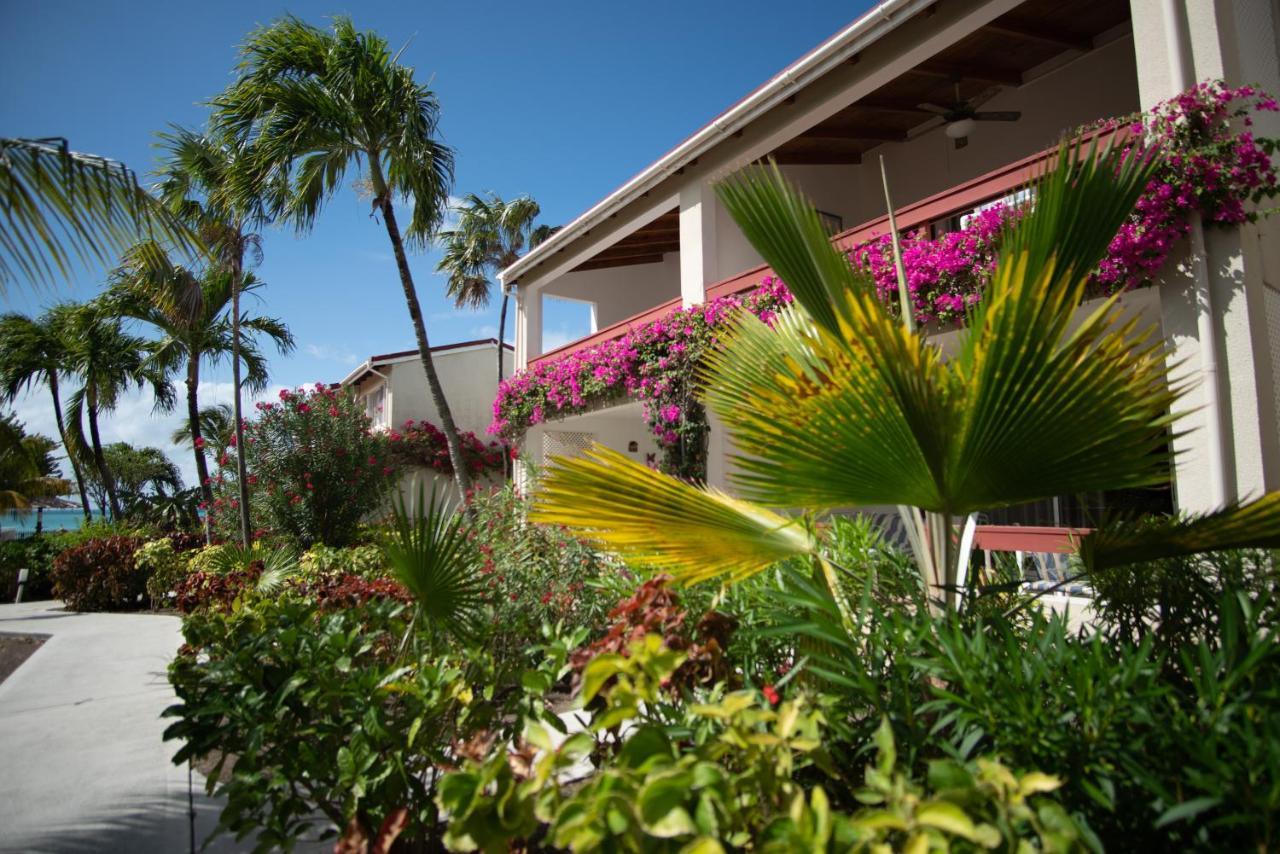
[(429, 552)]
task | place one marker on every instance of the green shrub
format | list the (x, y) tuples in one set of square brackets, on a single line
[(729, 774), (164, 566), (318, 697), (32, 553), (207, 558), (321, 561), (101, 575)]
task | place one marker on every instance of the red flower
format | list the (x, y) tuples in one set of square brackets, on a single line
[(199, 441), (771, 694)]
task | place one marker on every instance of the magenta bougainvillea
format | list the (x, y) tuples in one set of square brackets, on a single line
[(421, 443), (654, 364), (1210, 163)]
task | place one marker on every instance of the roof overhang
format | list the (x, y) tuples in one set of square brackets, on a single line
[(371, 364), (872, 26)]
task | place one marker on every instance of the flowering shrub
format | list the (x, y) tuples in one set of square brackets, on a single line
[(217, 590), (316, 468), (654, 364), (164, 567), (421, 443)]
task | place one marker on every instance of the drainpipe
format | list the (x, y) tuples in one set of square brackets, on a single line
[(1182, 76)]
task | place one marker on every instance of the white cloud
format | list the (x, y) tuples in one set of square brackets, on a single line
[(485, 330), (553, 338), (326, 353), (134, 420)]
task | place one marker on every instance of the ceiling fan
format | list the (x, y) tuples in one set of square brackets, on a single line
[(959, 118)]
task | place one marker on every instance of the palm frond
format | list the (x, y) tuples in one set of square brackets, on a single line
[(857, 410), (429, 552), (660, 521), (60, 207), (1238, 526)]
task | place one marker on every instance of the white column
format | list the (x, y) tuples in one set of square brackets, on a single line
[(528, 325), (698, 266), (1233, 40)]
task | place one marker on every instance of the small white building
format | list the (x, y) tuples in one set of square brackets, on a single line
[(394, 389), (663, 239)]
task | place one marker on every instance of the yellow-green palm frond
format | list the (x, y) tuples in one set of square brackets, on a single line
[(841, 405), (1253, 525), (663, 522)]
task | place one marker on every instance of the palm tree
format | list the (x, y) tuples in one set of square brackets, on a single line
[(34, 351), (107, 361), (207, 179), (490, 236), (313, 102), (27, 471), (59, 205), (840, 405), (216, 427), (190, 313)]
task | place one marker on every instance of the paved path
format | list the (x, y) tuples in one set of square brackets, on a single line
[(83, 766)]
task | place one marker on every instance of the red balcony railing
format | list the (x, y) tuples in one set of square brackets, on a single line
[(960, 199)]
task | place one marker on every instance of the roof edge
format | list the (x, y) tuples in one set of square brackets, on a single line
[(876, 22)]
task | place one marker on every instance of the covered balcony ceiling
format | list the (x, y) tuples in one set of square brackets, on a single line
[(997, 55), (645, 245)]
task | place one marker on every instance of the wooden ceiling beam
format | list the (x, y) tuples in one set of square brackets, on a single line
[(814, 158), (890, 105), (844, 133), (968, 71), (647, 240), (1037, 33), (617, 262)]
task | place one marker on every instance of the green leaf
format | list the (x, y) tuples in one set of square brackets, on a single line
[(1186, 810), (947, 817), (598, 671)]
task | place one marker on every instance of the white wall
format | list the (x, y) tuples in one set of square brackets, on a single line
[(470, 382), (620, 292)]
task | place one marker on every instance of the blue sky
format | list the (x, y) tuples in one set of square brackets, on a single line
[(563, 101)]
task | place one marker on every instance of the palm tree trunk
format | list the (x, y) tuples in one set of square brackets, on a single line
[(193, 415), (242, 475), (100, 459), (62, 434), (461, 476), (502, 332)]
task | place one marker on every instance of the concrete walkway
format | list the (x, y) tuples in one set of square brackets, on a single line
[(84, 764)]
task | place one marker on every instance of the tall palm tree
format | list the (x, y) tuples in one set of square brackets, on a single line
[(207, 179), (313, 102), (490, 236), (27, 472), (216, 428), (34, 351), (190, 313), (107, 361)]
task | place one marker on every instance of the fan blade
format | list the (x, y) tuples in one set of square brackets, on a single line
[(933, 108), (997, 116)]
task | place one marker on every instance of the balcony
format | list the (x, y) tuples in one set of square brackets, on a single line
[(938, 213)]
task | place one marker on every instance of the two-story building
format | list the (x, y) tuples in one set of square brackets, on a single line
[(878, 88)]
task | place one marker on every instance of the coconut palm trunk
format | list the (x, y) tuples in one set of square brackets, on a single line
[(461, 476), (62, 434), (193, 415), (242, 474), (502, 331), (100, 459)]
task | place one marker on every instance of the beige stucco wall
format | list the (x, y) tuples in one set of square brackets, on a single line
[(1239, 41), (470, 382)]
